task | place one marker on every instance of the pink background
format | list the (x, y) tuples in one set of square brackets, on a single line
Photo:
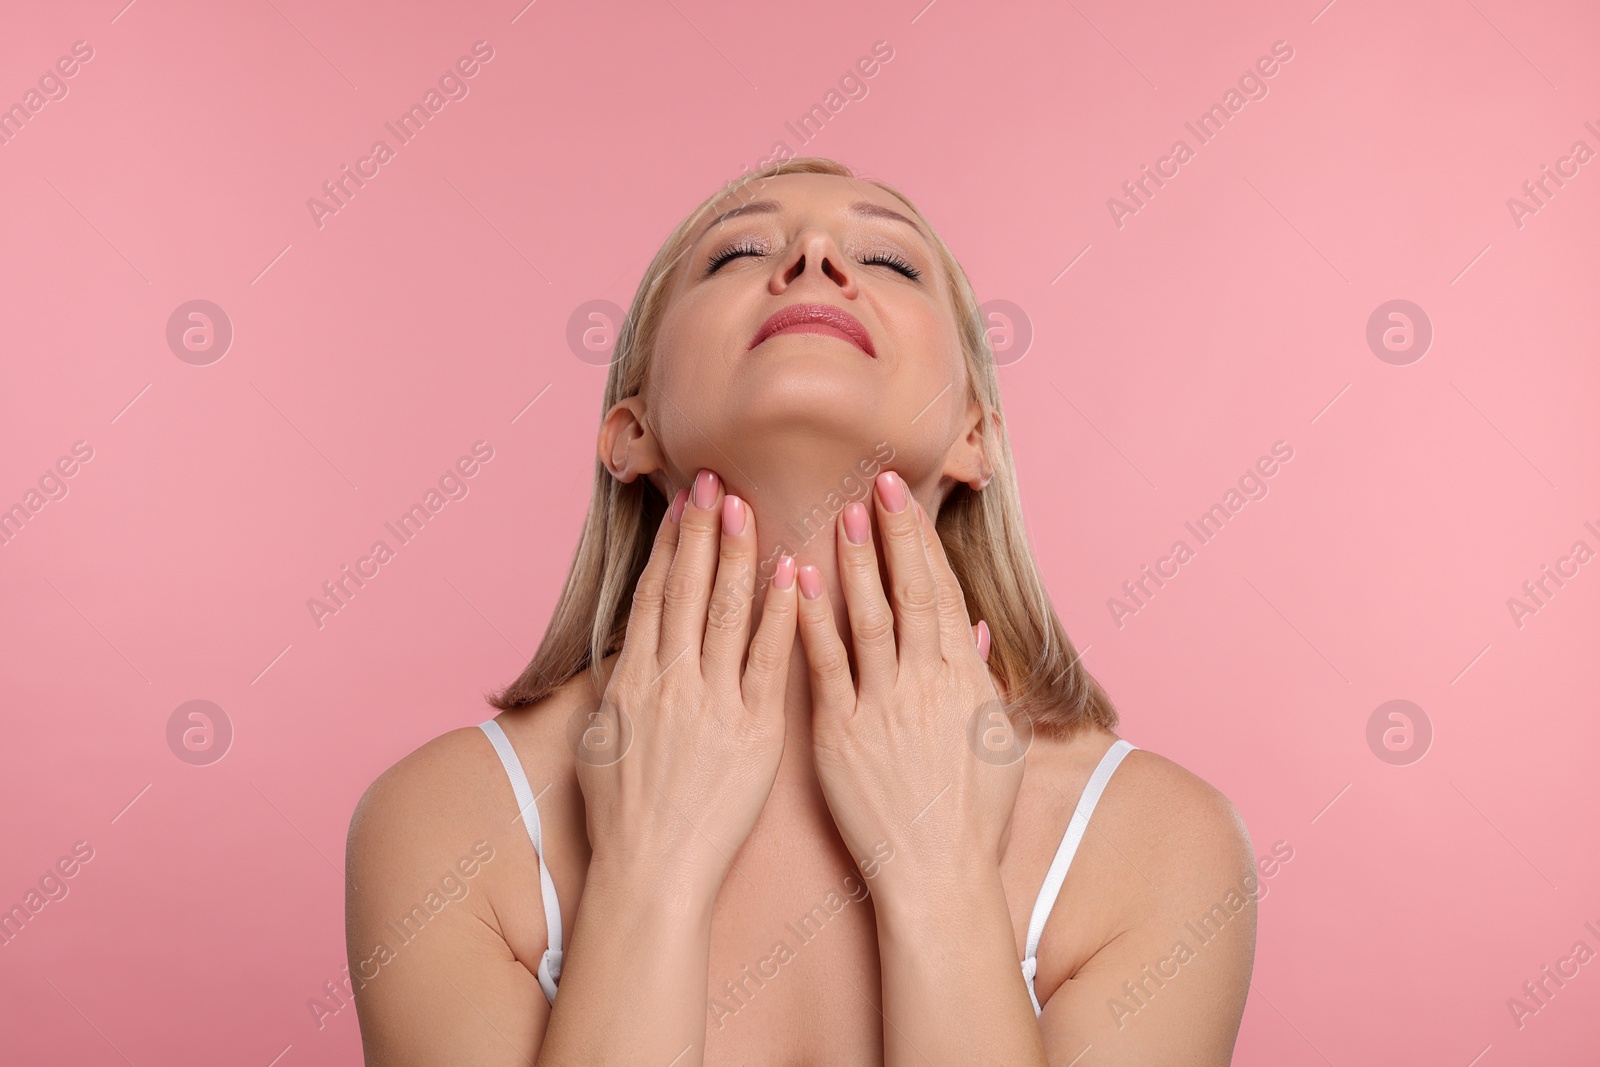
[(1229, 313)]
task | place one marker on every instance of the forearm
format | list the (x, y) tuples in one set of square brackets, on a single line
[(633, 981), (953, 992)]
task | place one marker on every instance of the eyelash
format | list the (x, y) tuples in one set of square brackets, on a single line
[(888, 259)]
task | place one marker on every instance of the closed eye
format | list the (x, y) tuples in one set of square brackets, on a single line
[(743, 248), (889, 259), (748, 248)]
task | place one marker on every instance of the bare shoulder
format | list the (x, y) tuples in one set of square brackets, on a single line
[(1154, 815), (444, 918), (455, 792), (1179, 822), (1167, 884), (425, 798)]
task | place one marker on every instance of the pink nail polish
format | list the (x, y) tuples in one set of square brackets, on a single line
[(783, 577), (732, 516), (677, 504), (705, 489), (892, 490), (810, 582), (983, 639), (855, 522)]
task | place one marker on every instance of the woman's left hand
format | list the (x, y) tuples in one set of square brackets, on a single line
[(918, 752)]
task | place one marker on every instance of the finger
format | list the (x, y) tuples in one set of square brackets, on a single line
[(766, 674), (980, 634), (832, 692), (871, 620), (954, 619), (688, 585), (728, 620), (644, 616), (914, 596)]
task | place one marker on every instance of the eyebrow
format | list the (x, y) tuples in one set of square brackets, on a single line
[(863, 208)]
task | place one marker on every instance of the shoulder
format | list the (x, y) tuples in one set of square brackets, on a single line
[(421, 829), (1179, 819), (1160, 816), (454, 790), (1161, 847), (437, 843), (456, 780)]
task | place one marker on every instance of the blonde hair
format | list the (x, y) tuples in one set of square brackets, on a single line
[(983, 533)]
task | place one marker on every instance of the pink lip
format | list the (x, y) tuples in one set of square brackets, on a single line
[(817, 318)]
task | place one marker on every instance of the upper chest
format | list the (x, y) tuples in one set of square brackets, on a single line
[(793, 968)]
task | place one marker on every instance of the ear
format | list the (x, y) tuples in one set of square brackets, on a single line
[(627, 445), (966, 461)]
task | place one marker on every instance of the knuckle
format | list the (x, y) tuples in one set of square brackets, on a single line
[(904, 536), (918, 593), (764, 657), (680, 587), (726, 615), (874, 626), (829, 661), (649, 589)]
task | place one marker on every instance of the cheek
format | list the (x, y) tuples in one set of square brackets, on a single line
[(687, 385), (927, 346)]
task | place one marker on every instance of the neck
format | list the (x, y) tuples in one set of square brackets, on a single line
[(797, 508)]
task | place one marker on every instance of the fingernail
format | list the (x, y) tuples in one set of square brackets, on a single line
[(705, 489), (732, 516), (892, 490), (810, 582), (855, 522), (677, 504), (983, 639), (783, 577)]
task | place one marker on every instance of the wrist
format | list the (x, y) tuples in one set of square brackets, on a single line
[(630, 887), (913, 899)]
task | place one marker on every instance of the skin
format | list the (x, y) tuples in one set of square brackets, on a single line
[(783, 745)]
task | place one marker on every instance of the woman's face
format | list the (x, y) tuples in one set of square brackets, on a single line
[(884, 365)]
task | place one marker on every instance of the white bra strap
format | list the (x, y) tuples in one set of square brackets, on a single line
[(550, 962), (1064, 853)]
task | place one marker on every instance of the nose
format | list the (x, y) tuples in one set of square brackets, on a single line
[(814, 252)]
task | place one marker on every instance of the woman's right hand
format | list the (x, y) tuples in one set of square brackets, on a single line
[(677, 761)]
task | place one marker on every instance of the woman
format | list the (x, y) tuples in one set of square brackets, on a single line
[(803, 770)]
